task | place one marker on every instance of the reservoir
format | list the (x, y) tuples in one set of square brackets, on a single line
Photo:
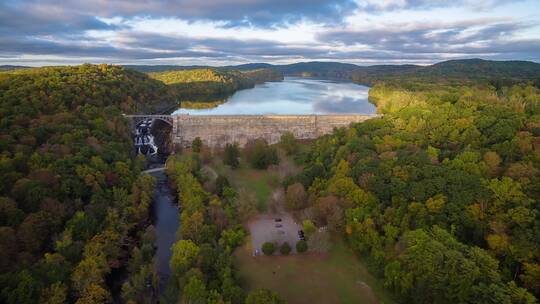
[(294, 95)]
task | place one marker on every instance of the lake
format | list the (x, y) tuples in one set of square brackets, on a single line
[(294, 95)]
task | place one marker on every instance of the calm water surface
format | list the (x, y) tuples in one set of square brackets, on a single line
[(166, 224), (295, 95)]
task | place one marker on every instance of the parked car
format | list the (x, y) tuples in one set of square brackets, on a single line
[(277, 219), (279, 225)]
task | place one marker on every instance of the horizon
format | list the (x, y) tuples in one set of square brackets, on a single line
[(272, 64), (233, 32)]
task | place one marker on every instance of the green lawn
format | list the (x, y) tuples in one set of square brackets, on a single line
[(337, 277), (260, 182)]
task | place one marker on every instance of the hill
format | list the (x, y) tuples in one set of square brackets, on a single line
[(208, 84), (453, 71), (72, 203), (459, 71), (12, 67)]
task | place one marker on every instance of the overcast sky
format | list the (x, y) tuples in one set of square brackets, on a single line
[(222, 32)]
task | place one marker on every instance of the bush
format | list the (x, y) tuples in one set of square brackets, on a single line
[(268, 248), (285, 248), (301, 246), (308, 227), (260, 155)]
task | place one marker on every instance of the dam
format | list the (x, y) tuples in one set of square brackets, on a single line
[(216, 131), (219, 130)]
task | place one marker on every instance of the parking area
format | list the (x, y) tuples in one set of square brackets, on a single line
[(265, 228)]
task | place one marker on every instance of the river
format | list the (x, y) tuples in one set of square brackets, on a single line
[(166, 222), (294, 95), (164, 207)]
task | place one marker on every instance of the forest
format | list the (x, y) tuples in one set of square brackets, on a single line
[(208, 85), (73, 206), (441, 194)]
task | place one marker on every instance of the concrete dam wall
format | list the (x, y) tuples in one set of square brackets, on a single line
[(218, 130)]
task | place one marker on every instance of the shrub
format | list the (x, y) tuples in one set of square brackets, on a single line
[(308, 227), (285, 248), (301, 246), (268, 248)]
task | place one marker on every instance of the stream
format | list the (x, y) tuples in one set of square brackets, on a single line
[(166, 222), (165, 213)]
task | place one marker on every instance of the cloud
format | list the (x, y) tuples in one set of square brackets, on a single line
[(489, 37), (233, 12), (225, 31), (388, 5), (20, 20)]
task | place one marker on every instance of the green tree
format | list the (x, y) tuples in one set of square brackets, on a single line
[(194, 291), (184, 254), (196, 145), (308, 227), (260, 155), (289, 143), (54, 294), (231, 155), (268, 248)]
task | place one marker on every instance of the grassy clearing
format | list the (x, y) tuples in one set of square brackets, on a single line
[(336, 277), (261, 182)]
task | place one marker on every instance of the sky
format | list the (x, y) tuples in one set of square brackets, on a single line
[(225, 32)]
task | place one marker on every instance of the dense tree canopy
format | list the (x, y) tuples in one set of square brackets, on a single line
[(208, 84), (70, 190), (441, 193)]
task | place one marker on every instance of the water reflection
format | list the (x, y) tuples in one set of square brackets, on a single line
[(295, 95)]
